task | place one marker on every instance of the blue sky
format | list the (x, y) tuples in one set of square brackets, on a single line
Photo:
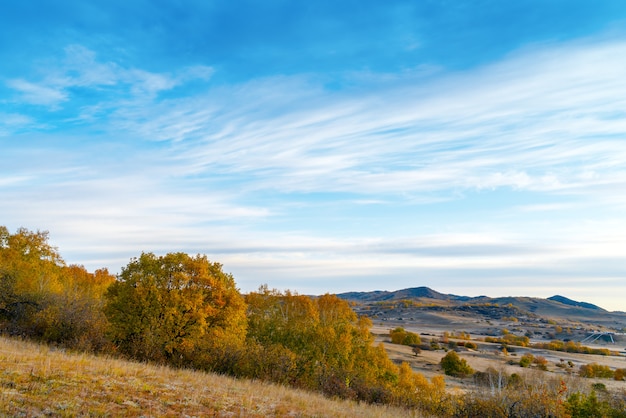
[(472, 147)]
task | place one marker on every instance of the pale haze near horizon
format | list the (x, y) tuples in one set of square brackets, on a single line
[(327, 146)]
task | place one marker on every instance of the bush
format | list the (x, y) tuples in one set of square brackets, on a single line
[(526, 360), (471, 346), (411, 339), (541, 362), (453, 365), (580, 405), (599, 387), (596, 370), (403, 337), (434, 345)]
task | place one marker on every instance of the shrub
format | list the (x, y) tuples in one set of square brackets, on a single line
[(600, 387), (453, 365), (596, 370), (434, 345), (403, 337), (471, 345), (411, 339), (581, 405), (526, 360), (541, 362)]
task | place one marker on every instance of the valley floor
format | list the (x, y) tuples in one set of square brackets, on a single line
[(488, 355)]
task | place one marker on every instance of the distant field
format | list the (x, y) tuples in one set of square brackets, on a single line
[(431, 324), (487, 355), (36, 380)]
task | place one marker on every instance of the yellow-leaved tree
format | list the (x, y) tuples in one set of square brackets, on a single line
[(177, 309), (319, 343), (43, 298)]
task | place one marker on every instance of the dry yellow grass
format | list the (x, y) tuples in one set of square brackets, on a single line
[(39, 381)]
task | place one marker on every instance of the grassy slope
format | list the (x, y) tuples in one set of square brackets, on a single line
[(36, 380)]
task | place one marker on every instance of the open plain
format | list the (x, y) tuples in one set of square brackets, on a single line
[(451, 320)]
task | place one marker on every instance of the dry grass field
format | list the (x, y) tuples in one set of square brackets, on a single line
[(39, 381)]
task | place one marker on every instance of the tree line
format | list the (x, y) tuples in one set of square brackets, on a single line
[(185, 311)]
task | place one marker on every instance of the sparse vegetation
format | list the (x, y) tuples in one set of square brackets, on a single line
[(574, 347), (509, 339), (513, 396)]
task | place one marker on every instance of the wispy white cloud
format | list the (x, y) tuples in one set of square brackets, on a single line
[(120, 86), (37, 94), (12, 122), (6, 181), (80, 67), (545, 120)]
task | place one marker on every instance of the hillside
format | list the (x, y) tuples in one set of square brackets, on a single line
[(36, 381), (428, 293), (554, 308)]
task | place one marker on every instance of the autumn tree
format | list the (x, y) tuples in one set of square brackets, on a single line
[(73, 316), (414, 390), (332, 348), (43, 298), (177, 309), (29, 271)]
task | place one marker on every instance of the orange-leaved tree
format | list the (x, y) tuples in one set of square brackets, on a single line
[(176, 309)]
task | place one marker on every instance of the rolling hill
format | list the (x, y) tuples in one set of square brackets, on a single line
[(556, 307)]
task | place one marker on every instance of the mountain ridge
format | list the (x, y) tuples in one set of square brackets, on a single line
[(423, 292), (567, 301)]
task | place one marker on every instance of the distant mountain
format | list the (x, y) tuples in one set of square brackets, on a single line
[(555, 308), (555, 303), (411, 293), (570, 302)]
